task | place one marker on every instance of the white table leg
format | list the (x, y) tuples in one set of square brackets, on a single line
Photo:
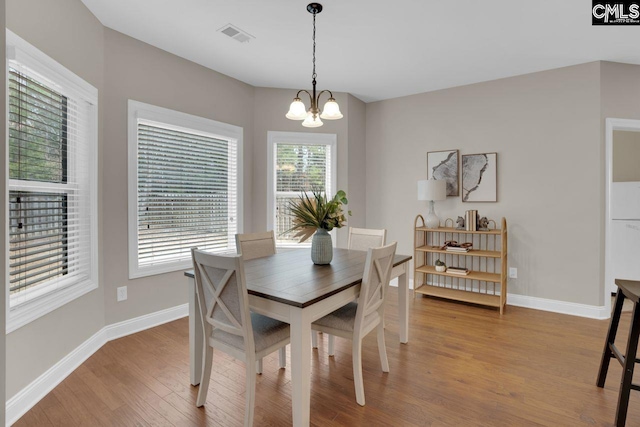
[(300, 366), (195, 336), (403, 305)]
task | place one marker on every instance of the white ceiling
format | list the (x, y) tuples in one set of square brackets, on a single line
[(374, 49)]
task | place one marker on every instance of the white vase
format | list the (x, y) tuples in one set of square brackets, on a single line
[(321, 247)]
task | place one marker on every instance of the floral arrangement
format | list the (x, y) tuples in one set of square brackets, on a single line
[(316, 211)]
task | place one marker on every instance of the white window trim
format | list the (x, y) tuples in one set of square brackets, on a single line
[(277, 137), (38, 301), (142, 111)]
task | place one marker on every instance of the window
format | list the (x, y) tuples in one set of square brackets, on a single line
[(184, 175), (297, 162), (52, 123)]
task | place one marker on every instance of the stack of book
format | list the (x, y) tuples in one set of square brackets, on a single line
[(458, 249), (458, 270)]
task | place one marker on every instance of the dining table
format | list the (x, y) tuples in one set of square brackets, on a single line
[(287, 286)]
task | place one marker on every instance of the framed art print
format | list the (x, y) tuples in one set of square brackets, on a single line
[(443, 165), (479, 177)]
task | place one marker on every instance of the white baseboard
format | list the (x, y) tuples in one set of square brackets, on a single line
[(131, 326), (574, 309), (563, 307), (26, 398)]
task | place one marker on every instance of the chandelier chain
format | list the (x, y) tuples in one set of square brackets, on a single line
[(313, 76)]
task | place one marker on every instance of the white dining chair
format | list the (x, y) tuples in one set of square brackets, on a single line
[(259, 245), (357, 319), (360, 239), (256, 245), (228, 323)]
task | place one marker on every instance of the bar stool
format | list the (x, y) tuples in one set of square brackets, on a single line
[(629, 289)]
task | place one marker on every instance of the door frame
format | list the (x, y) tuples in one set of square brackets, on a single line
[(611, 125)]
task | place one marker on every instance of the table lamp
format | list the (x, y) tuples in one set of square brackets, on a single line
[(432, 190)]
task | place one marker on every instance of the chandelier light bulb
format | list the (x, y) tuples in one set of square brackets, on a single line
[(312, 121), (297, 110), (331, 110)]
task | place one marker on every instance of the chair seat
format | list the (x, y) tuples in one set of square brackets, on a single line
[(266, 333), (344, 318)]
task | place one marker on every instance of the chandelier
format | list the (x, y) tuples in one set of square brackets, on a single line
[(312, 116)]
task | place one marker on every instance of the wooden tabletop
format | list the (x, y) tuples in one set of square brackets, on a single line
[(292, 278)]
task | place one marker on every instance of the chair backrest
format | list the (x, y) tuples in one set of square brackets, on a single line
[(222, 295), (256, 245), (362, 239), (377, 274)]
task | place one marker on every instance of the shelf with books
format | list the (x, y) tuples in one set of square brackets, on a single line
[(486, 263), (496, 232), (472, 252), (473, 275)]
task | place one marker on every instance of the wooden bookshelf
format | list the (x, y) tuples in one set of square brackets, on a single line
[(486, 283)]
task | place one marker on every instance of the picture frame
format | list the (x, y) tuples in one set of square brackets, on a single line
[(444, 165), (480, 177)]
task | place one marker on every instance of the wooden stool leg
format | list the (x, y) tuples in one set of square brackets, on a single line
[(627, 373), (607, 354)]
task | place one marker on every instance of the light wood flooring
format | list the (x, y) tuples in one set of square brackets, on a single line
[(464, 366)]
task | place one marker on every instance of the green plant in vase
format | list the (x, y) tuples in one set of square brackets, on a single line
[(315, 215)]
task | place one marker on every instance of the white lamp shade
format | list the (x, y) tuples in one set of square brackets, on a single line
[(297, 110), (331, 110), (431, 189), (311, 121)]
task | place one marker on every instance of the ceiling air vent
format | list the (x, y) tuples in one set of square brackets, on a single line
[(236, 33)]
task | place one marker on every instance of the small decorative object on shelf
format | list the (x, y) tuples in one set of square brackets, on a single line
[(483, 224), (460, 223), (479, 257), (453, 246), (317, 216)]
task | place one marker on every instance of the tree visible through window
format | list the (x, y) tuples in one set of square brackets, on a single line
[(38, 232)]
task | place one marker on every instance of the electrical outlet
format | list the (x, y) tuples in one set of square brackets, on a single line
[(513, 273), (122, 293)]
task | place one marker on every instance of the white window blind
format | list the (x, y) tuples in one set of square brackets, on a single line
[(185, 188), (301, 163), (186, 194), (52, 185)]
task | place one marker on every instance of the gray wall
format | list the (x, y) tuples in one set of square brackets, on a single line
[(66, 31), (545, 128), (136, 70), (626, 156), (356, 113)]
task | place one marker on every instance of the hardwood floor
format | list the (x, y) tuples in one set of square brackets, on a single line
[(464, 366)]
